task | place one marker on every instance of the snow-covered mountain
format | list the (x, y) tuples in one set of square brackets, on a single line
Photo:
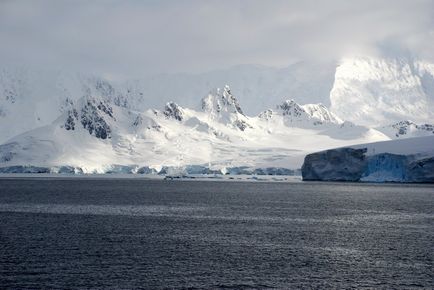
[(321, 112), (96, 133), (302, 115), (55, 118), (375, 92), (407, 129), (364, 90), (30, 99)]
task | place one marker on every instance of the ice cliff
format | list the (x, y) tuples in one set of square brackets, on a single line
[(410, 160)]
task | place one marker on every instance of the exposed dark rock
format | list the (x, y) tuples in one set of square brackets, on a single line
[(121, 101), (266, 115), (92, 120), (402, 127), (291, 108), (70, 120), (242, 125), (138, 121), (10, 96), (106, 108), (172, 110), (221, 100), (229, 99), (96, 126)]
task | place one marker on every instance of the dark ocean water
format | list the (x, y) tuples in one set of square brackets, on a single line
[(133, 233)]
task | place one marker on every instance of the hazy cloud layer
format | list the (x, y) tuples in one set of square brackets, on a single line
[(134, 38)]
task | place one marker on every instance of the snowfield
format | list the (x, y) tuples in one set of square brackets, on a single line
[(74, 123), (94, 134)]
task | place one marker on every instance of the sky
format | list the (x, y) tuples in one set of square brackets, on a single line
[(130, 39)]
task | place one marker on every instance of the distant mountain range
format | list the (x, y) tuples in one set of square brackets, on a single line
[(89, 124)]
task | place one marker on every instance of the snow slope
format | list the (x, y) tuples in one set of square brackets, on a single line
[(406, 129), (97, 133), (364, 90), (421, 147), (370, 99), (32, 98), (374, 92)]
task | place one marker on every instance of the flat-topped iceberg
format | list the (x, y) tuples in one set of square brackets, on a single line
[(410, 160)]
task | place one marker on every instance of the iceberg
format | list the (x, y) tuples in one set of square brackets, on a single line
[(410, 160)]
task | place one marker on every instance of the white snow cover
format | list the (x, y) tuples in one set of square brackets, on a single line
[(364, 90), (370, 98), (321, 112), (94, 133), (421, 147), (405, 129), (374, 92)]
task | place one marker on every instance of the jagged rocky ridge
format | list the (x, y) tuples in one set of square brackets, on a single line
[(90, 117), (65, 119), (407, 128), (369, 91), (94, 133)]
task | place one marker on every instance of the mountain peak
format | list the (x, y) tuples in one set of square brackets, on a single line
[(371, 91), (322, 113), (173, 110), (221, 100), (291, 108), (315, 114), (92, 113), (407, 128)]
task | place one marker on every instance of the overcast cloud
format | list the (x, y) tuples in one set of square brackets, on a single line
[(134, 38)]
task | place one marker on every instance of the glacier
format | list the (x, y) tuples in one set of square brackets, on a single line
[(369, 91), (374, 91), (97, 134), (409, 160), (66, 122)]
